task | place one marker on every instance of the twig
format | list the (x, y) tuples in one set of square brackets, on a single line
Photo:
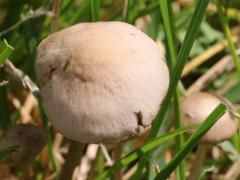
[(205, 56), (198, 162), (75, 153), (130, 172), (15, 101), (25, 80), (57, 148), (234, 171), (27, 107), (56, 12), (225, 64), (86, 162), (3, 83), (106, 155), (29, 15)]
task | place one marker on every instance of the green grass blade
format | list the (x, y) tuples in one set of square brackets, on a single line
[(181, 60), (169, 23), (5, 51), (143, 150), (192, 141), (224, 23), (95, 8), (168, 31), (49, 138), (125, 7), (236, 60), (180, 138)]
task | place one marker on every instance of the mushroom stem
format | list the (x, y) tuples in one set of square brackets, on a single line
[(75, 153), (106, 155), (198, 162), (117, 152)]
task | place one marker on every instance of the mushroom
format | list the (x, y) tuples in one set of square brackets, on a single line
[(101, 82), (30, 138), (195, 108)]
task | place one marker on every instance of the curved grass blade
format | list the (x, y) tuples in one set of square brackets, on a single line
[(143, 150)]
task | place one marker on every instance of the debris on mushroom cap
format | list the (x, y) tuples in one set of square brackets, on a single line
[(195, 109), (30, 138), (101, 82)]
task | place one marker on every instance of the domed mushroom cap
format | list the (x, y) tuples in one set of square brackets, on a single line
[(30, 138), (101, 82), (195, 109)]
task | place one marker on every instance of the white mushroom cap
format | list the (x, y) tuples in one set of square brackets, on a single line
[(195, 109), (101, 82)]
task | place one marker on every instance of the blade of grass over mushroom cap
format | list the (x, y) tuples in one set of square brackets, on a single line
[(181, 60), (192, 141), (95, 9), (169, 33), (169, 24), (129, 158)]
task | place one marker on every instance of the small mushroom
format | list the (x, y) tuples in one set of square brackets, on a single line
[(30, 138), (195, 109), (101, 82)]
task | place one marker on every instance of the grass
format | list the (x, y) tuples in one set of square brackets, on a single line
[(225, 26), (224, 22), (169, 23), (95, 4), (192, 141), (178, 25), (181, 61), (5, 51), (129, 158), (49, 139)]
